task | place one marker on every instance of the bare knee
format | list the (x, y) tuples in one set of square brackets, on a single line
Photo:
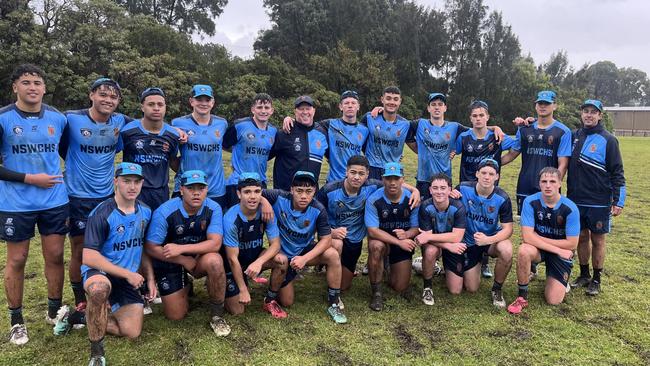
[(281, 261), (98, 292), (131, 333), (375, 248), (430, 253), (331, 257)]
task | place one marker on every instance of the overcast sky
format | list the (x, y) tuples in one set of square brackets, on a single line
[(589, 30)]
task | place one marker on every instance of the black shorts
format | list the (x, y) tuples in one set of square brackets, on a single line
[(291, 273), (350, 254), (231, 198), (231, 286), (80, 208), (154, 197), (397, 254), (171, 280), (595, 219), (423, 188), (460, 263), (375, 172), (19, 226), (556, 267), (122, 293)]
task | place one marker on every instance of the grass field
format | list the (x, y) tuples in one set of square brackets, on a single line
[(611, 329)]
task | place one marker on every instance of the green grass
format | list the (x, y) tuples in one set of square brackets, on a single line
[(613, 328)]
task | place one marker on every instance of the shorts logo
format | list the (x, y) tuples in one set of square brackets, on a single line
[(565, 276), (592, 147), (560, 220), (540, 215), (50, 130), (10, 221), (204, 225), (164, 284), (139, 144), (86, 132), (120, 229), (18, 131), (9, 231), (599, 225), (165, 147), (491, 209), (550, 140), (231, 285), (180, 229), (251, 136), (306, 223), (530, 138), (81, 225), (384, 214)]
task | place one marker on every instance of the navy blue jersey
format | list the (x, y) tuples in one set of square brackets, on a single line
[(117, 236), (297, 228), (435, 144), (475, 150), (595, 176), (247, 235), (29, 143), (383, 214), (250, 148), (440, 222), (347, 211), (89, 149), (345, 140), (540, 148), (559, 222), (203, 151), (385, 139), (484, 213), (301, 149), (152, 151), (170, 223)]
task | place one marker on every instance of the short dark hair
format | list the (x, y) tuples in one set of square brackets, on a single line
[(262, 98), (303, 182), (392, 90), (549, 170), (30, 69), (248, 183), (358, 160), (441, 176)]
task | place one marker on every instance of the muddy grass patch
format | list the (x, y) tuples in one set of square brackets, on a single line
[(408, 343)]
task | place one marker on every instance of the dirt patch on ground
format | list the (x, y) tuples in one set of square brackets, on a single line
[(333, 356), (407, 342), (182, 352), (517, 335), (630, 279), (603, 321), (30, 275)]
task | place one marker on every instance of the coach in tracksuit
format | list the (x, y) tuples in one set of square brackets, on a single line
[(597, 186), (301, 149)]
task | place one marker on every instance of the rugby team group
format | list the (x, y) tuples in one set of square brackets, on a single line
[(131, 243)]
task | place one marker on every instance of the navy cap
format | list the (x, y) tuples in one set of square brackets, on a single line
[(106, 81), (151, 91), (349, 94), (547, 96), (301, 174), (488, 162), (194, 177), (201, 89), (303, 99), (479, 104), (434, 96), (393, 170), (594, 103), (128, 169)]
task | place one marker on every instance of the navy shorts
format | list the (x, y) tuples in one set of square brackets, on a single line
[(231, 286), (291, 273), (460, 263), (350, 254), (556, 267), (171, 280), (375, 172), (397, 254), (19, 226), (595, 219), (231, 198), (154, 197), (423, 188), (122, 293), (80, 208)]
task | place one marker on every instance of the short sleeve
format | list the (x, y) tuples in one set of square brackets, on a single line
[(158, 228), (424, 219), (527, 214), (216, 220), (322, 225), (230, 235), (371, 216), (516, 145), (272, 230), (272, 195), (565, 145), (505, 211), (573, 222), (460, 218), (96, 233)]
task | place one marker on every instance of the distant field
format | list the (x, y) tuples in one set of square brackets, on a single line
[(611, 329)]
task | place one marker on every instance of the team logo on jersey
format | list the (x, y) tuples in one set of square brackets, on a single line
[(86, 132), (540, 215), (18, 131), (426, 131), (120, 229), (191, 225), (447, 136), (548, 215), (152, 143), (190, 133), (81, 225), (491, 209), (217, 133), (116, 131), (592, 148), (491, 146), (550, 140), (530, 138), (340, 204), (318, 144), (50, 130), (251, 136), (102, 132), (560, 220), (165, 147), (204, 225), (139, 144), (480, 146), (470, 148), (306, 223), (179, 229), (251, 228), (384, 214), (34, 128), (398, 133), (540, 137)]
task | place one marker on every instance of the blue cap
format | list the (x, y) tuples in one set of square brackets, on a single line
[(201, 89), (151, 91), (440, 96), (392, 170), (128, 169), (194, 177), (249, 176), (594, 103), (547, 96), (301, 174), (303, 99), (488, 162)]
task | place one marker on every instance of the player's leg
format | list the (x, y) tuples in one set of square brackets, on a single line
[(597, 262), (453, 264), (14, 279), (98, 289), (231, 302), (503, 253), (558, 271), (331, 258), (377, 251), (211, 265), (279, 269), (173, 286), (350, 253), (430, 254), (472, 267), (129, 320), (584, 254), (526, 256), (286, 294), (53, 225)]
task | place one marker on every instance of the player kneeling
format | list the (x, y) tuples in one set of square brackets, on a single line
[(550, 228), (442, 226), (244, 243), (184, 238)]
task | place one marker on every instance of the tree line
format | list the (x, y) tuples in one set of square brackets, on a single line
[(316, 47)]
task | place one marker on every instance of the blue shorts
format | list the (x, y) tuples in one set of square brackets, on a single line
[(595, 219), (19, 226), (350, 254), (80, 209), (460, 263), (556, 267), (122, 293), (154, 197), (291, 273)]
